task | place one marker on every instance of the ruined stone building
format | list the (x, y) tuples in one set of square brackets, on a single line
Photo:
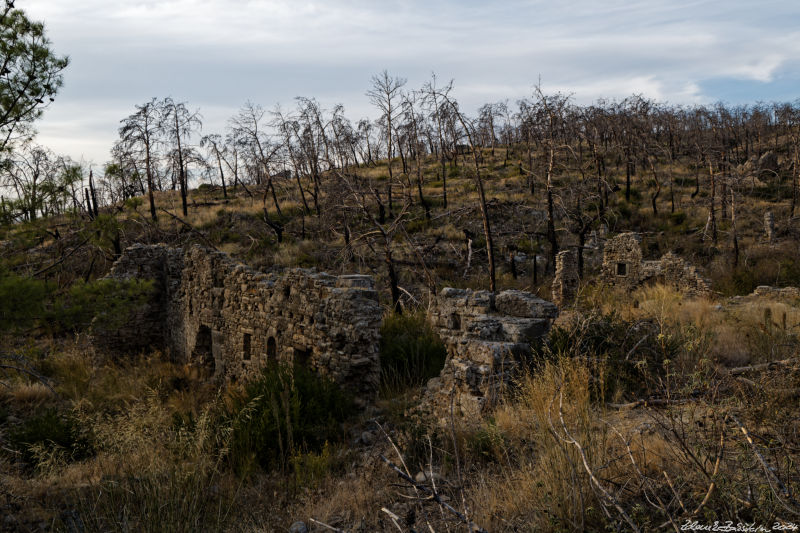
[(623, 266), (210, 310), (488, 338), (206, 309)]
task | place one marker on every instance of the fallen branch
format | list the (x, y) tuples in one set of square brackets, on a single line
[(434, 495), (326, 526), (768, 471), (762, 366), (20, 364), (64, 258), (653, 402)]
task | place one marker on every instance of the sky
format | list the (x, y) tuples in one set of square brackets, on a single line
[(217, 54)]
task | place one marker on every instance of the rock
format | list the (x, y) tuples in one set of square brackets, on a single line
[(768, 162), (424, 477), (367, 438), (524, 305), (298, 527), (769, 226), (566, 280), (486, 339)]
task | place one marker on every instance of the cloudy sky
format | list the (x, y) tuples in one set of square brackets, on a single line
[(216, 54)]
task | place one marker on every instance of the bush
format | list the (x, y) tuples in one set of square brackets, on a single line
[(779, 267), (28, 302), (22, 300), (50, 431), (630, 355), (677, 218), (410, 352), (286, 412), (107, 299)]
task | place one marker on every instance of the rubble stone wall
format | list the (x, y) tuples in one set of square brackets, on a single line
[(566, 280), (623, 266), (210, 310), (488, 337)]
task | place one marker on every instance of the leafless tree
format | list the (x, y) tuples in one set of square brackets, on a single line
[(385, 95), (139, 135), (178, 123)]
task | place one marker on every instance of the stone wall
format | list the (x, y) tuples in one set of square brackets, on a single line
[(623, 266), (209, 310), (566, 280), (769, 226), (622, 260), (487, 337), (784, 293)]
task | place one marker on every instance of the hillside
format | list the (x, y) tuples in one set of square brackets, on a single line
[(644, 407)]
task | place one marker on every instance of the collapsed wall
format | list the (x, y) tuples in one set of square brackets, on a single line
[(623, 266), (210, 310), (488, 339)]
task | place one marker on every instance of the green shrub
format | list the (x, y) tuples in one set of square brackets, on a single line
[(22, 300), (779, 267), (677, 218), (410, 351), (27, 302), (286, 412), (110, 300), (50, 430), (630, 355)]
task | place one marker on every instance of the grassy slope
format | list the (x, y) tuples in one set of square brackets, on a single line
[(521, 469)]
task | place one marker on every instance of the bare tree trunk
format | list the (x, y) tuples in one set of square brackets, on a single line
[(393, 285), (711, 225), (794, 180), (181, 171), (419, 190), (733, 230), (551, 222), (93, 205), (149, 172), (221, 175), (628, 172), (444, 179), (487, 231), (654, 198)]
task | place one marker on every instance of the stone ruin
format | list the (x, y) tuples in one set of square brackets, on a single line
[(208, 310), (769, 226), (211, 311), (488, 338), (623, 266), (566, 280)]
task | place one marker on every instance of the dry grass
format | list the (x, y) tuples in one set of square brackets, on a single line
[(31, 395), (545, 486)]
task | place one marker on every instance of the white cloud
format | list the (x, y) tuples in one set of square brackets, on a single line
[(218, 53)]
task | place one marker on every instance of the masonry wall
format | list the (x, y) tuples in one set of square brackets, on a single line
[(624, 249), (488, 337), (623, 266), (210, 310), (566, 280)]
